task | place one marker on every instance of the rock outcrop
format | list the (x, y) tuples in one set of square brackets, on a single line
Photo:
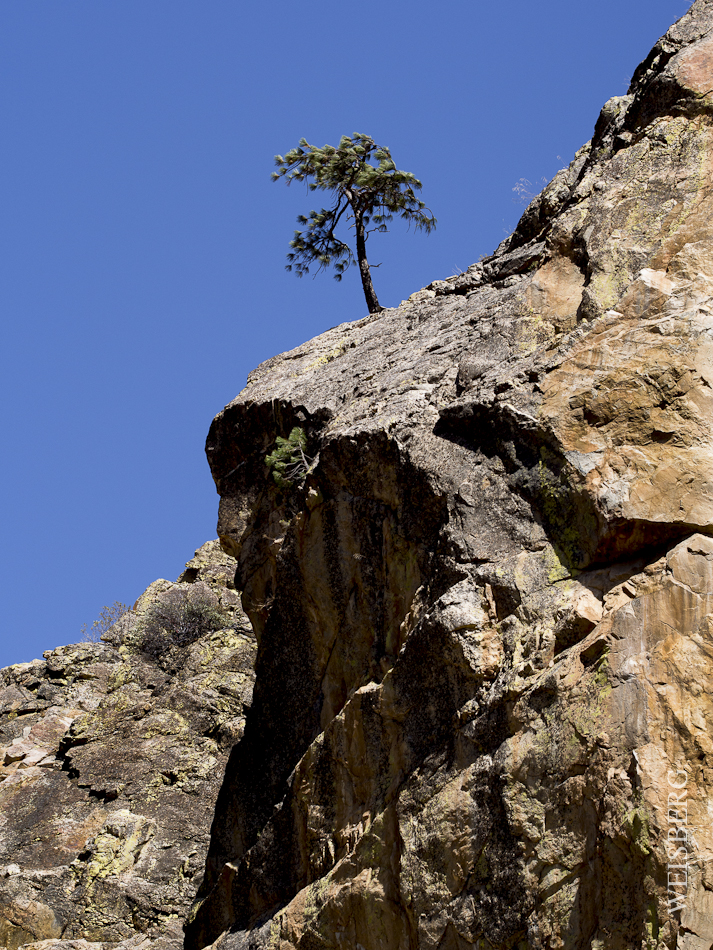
[(110, 763), (481, 712), (478, 614)]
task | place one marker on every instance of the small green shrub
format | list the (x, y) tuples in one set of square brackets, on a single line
[(287, 461), (107, 618), (179, 620)]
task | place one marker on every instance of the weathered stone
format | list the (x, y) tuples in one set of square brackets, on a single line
[(106, 795), (482, 628), (483, 622)]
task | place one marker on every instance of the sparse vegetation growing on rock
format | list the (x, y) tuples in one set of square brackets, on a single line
[(107, 618), (178, 619), (288, 462)]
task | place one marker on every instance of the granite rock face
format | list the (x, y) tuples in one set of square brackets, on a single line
[(110, 764), (481, 713), (462, 695)]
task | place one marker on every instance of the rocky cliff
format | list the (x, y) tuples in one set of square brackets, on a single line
[(482, 708), (111, 758), (481, 604)]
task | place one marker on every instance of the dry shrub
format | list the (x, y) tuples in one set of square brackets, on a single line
[(107, 618), (178, 619)]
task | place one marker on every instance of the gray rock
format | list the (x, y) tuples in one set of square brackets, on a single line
[(465, 705), (107, 786)]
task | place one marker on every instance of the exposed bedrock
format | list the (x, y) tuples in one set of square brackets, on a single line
[(111, 759), (484, 605)]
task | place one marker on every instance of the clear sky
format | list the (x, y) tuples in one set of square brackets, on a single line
[(143, 243)]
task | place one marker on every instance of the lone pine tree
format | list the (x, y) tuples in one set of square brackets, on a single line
[(362, 193)]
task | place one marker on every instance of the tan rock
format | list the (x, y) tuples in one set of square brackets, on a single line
[(484, 624)]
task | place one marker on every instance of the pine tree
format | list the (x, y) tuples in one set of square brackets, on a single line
[(363, 193)]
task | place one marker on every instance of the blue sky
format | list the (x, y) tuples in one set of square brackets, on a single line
[(143, 243)]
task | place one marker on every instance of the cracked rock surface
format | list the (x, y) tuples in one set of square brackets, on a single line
[(468, 702), (110, 764), (484, 618)]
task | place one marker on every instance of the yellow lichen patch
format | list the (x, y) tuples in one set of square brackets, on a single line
[(117, 848), (637, 822), (333, 354)]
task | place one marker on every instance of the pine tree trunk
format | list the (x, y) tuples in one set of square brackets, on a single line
[(369, 292)]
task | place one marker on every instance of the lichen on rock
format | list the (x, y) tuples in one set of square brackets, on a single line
[(111, 761), (477, 638)]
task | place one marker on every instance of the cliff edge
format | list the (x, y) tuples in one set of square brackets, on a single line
[(462, 697), (485, 616)]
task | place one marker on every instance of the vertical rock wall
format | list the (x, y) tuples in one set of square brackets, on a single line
[(484, 620)]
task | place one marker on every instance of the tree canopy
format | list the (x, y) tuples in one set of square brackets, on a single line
[(368, 195)]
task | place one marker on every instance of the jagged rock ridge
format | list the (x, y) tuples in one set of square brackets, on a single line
[(110, 764), (484, 621)]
